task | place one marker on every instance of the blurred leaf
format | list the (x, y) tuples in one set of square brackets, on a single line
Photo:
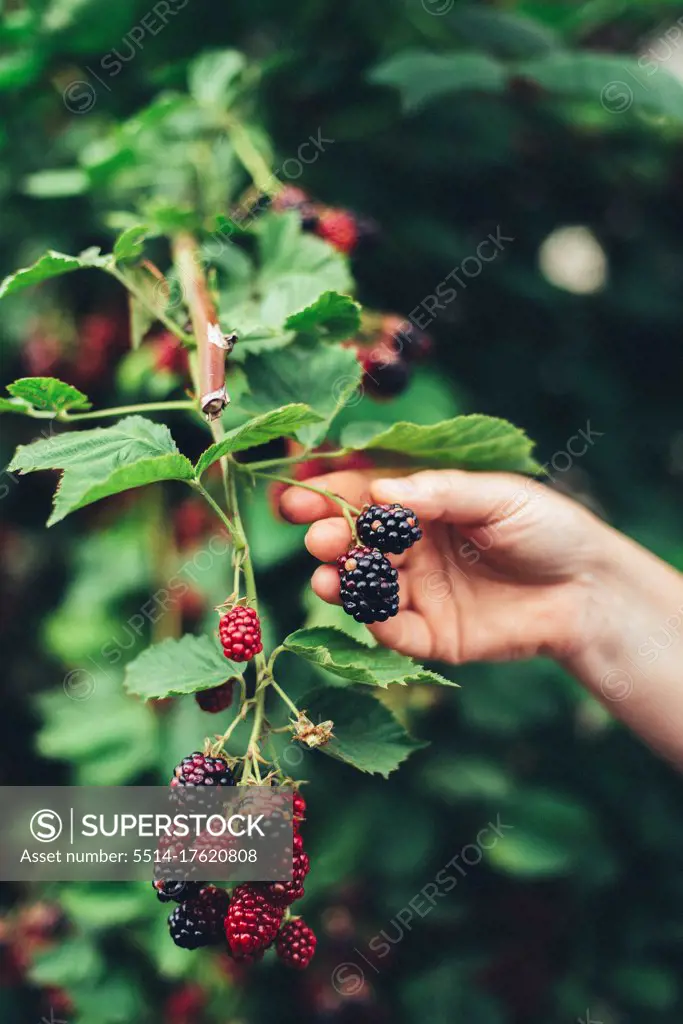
[(366, 735), (467, 778), (648, 986), (271, 540), (48, 394), (89, 722), (283, 422), (51, 264), (545, 835), (617, 81), (66, 963), (56, 184), (104, 461), (503, 33), (99, 906), (113, 999), (211, 75), (175, 667), (466, 442), (322, 378), (421, 76), (333, 316), (351, 659), (130, 244), (19, 69)]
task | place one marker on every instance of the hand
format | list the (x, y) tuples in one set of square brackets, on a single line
[(501, 572), (510, 569)]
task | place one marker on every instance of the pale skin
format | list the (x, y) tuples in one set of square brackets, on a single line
[(508, 569)]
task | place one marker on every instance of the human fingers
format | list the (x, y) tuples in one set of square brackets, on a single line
[(329, 538), (300, 505), (408, 633)]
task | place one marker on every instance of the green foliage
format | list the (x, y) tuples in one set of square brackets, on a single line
[(176, 667), (466, 442), (52, 264), (421, 77), (129, 245), (366, 734), (104, 461), (357, 662), (332, 316), (286, 421), (45, 394)]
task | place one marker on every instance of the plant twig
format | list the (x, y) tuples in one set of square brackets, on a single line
[(343, 504)]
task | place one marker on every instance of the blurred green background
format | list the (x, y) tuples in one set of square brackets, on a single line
[(574, 152)]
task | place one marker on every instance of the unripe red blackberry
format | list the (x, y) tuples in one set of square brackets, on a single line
[(199, 922), (240, 633), (252, 921), (283, 894), (296, 944), (339, 228), (217, 699), (391, 529), (298, 807), (368, 585)]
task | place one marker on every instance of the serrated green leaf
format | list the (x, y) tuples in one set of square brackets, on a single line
[(324, 379), (130, 244), (356, 661), (48, 394), (176, 667), (465, 442), (104, 461), (284, 422), (51, 264), (366, 734), (616, 81), (333, 316), (211, 75), (421, 77)]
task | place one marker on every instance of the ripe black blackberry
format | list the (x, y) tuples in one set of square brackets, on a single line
[(368, 585), (217, 699), (179, 892), (199, 922), (392, 529)]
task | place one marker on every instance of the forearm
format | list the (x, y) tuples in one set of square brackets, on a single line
[(633, 658)]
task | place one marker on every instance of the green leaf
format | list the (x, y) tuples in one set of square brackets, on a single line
[(130, 244), (333, 316), (211, 75), (48, 394), (465, 442), (104, 461), (422, 77), (176, 667), (51, 264), (66, 963), (351, 659), (103, 905), (283, 422), (324, 379), (504, 33), (544, 835), (107, 737), (56, 184), (618, 82), (366, 734)]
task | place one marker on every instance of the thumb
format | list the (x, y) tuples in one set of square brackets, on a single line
[(459, 497)]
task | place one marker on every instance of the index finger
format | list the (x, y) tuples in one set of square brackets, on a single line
[(300, 505)]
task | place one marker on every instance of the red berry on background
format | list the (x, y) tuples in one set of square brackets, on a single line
[(296, 944), (385, 372), (192, 605), (406, 339), (283, 894), (170, 354), (218, 698), (252, 921), (184, 1005), (240, 634), (298, 806), (192, 521), (200, 770), (293, 198), (339, 228)]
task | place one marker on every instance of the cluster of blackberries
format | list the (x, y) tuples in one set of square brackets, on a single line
[(255, 915), (368, 583)]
